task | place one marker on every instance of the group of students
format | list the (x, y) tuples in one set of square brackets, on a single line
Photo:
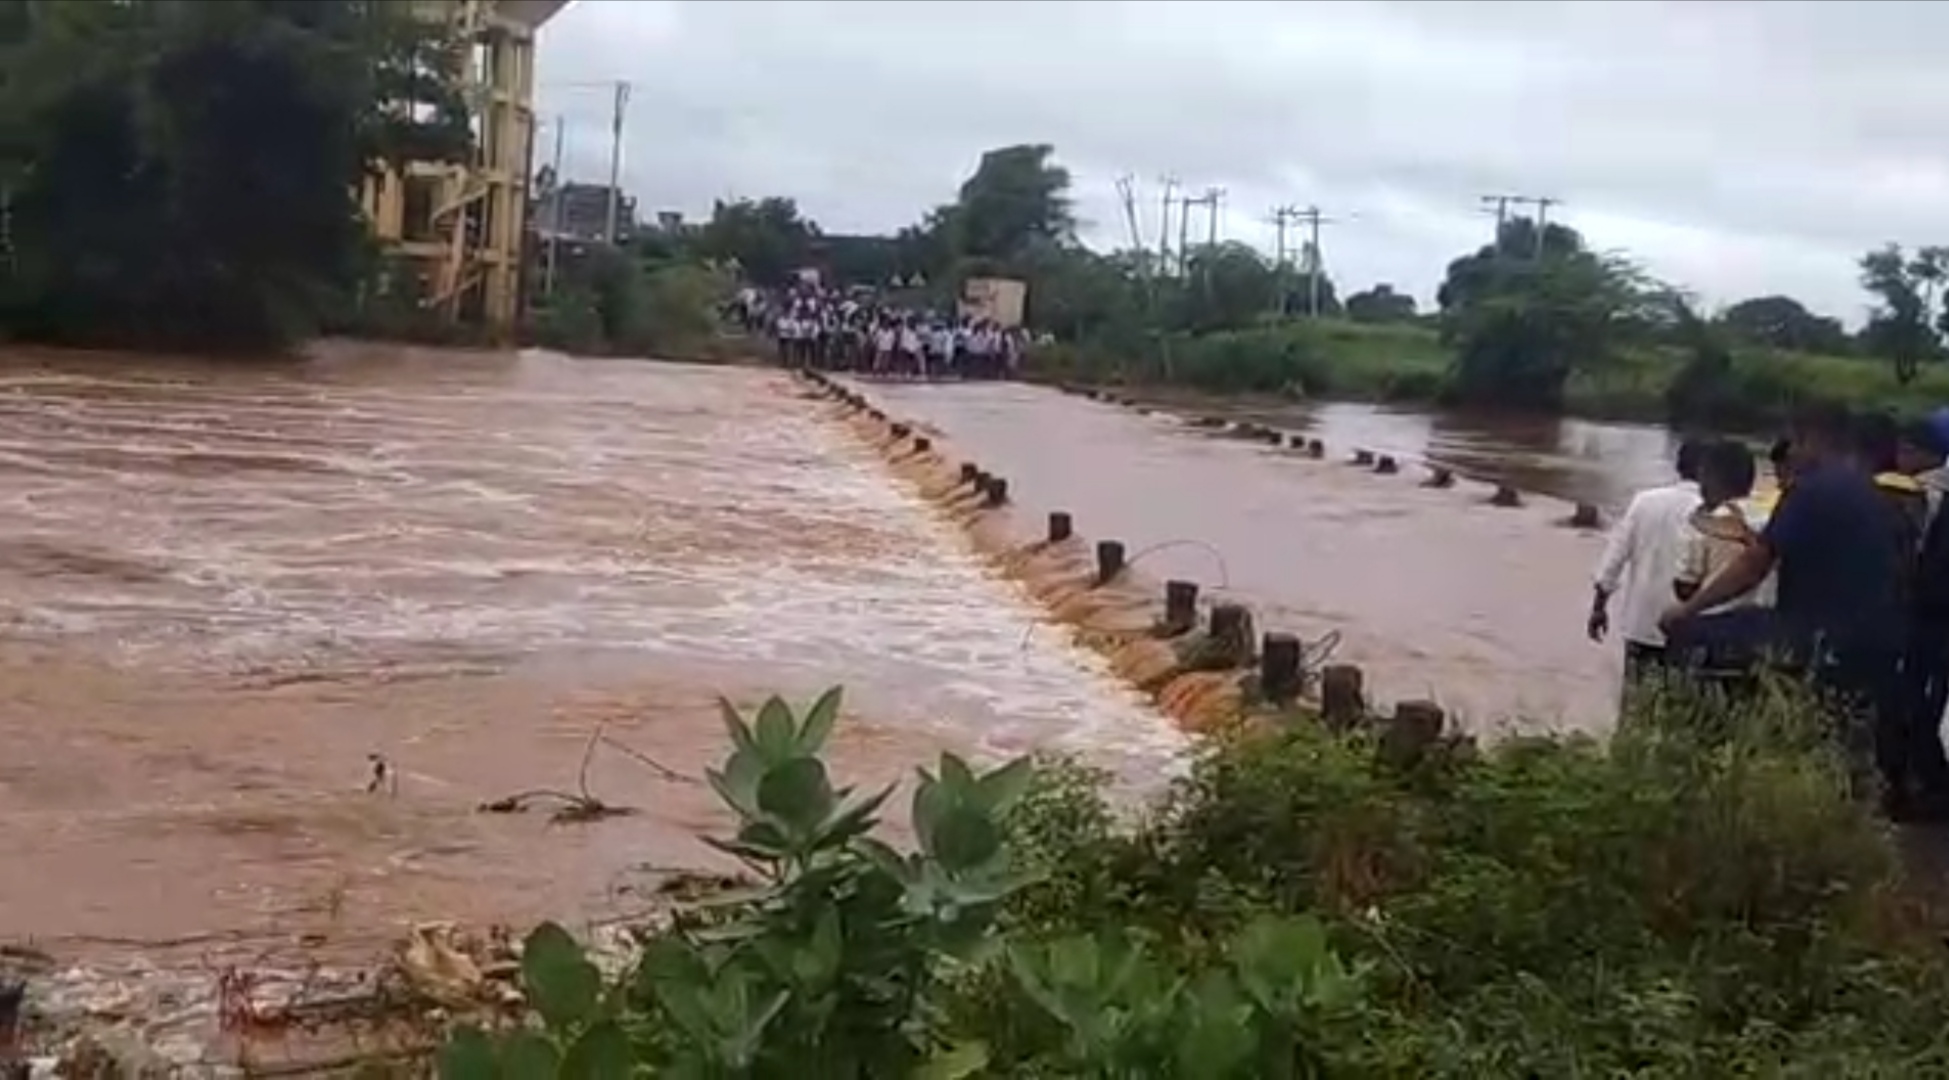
[(834, 331), (1837, 569)]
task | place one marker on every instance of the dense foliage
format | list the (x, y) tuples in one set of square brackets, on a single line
[(637, 300), (176, 173), (1700, 897)]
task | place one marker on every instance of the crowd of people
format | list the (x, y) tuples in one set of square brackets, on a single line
[(859, 331), (1837, 567)]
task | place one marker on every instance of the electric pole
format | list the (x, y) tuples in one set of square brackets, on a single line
[(616, 160), (1213, 198), (1315, 262), (1169, 184), (1127, 197), (1500, 204), (1543, 204), (1283, 218), (554, 212), (1185, 203)]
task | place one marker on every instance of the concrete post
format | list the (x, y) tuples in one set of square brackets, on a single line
[(1109, 560)]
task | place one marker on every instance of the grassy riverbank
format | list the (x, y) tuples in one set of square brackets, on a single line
[(1408, 364), (1699, 897)]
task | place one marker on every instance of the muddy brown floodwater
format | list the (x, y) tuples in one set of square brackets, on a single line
[(221, 589), (1435, 593), (1575, 460)]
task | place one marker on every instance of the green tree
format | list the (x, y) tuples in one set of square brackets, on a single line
[(184, 174), (1904, 328), (1781, 322), (1018, 196), (1307, 292), (1080, 296), (768, 238), (862, 260), (1380, 304), (1224, 287), (1527, 311)]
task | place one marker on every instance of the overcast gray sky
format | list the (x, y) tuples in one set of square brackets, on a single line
[(1735, 146)]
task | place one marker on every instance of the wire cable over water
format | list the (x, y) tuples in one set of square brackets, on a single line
[(1314, 653), (1217, 556), (1224, 570)]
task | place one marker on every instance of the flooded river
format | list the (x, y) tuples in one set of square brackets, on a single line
[(1437, 594), (1574, 460), (222, 589)]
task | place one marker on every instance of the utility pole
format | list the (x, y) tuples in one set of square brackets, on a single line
[(1312, 218), (1169, 184), (1283, 218), (1127, 197), (616, 160), (1500, 204), (1213, 198), (1185, 203), (1543, 204), (554, 213)]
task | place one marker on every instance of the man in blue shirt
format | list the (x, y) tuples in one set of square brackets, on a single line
[(1837, 547)]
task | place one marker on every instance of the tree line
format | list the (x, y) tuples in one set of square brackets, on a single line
[(1522, 314), (185, 174)]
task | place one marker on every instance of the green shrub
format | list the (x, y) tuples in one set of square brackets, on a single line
[(854, 960), (1700, 897)]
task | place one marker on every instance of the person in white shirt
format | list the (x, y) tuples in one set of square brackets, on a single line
[(1641, 561), (912, 360)]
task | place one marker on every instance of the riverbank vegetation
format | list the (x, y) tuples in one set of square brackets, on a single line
[(641, 299), (186, 175), (1698, 897), (1534, 320)]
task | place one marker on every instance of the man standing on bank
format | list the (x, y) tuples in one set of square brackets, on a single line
[(1641, 560)]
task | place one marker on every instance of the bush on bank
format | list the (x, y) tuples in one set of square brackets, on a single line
[(608, 302), (1698, 897)]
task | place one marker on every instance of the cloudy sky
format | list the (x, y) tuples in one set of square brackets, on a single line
[(1737, 146)]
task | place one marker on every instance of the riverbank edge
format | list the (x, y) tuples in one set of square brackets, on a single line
[(1339, 360), (1179, 397)]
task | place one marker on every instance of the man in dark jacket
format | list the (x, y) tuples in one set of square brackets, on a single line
[(1925, 664), (1836, 545)]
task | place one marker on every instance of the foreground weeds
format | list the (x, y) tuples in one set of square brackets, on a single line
[(1698, 898)]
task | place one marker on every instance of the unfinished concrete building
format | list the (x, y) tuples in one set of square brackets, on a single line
[(459, 228)]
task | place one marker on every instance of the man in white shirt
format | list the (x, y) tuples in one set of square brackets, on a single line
[(1641, 561)]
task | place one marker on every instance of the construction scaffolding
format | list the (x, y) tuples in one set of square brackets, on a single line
[(460, 228)]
